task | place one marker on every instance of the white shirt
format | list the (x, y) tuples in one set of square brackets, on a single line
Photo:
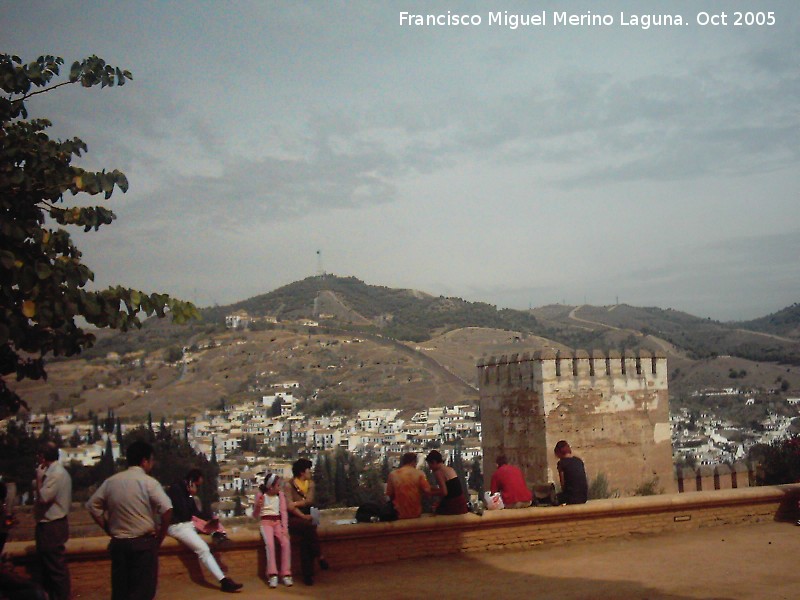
[(131, 500), (271, 506), (55, 493)]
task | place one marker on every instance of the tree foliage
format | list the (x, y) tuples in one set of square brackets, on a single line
[(17, 451), (475, 479), (779, 462), (343, 479), (43, 278)]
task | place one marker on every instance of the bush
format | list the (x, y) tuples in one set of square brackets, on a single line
[(599, 489), (779, 461), (648, 488)]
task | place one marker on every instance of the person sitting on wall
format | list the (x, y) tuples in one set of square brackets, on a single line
[(509, 481), (405, 487), (184, 509), (453, 501), (299, 493), (572, 476)]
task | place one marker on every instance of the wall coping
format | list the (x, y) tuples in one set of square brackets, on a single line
[(91, 548)]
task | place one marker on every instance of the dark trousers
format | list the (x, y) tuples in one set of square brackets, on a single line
[(306, 533), (134, 568), (51, 538)]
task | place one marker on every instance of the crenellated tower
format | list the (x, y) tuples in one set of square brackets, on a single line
[(612, 408)]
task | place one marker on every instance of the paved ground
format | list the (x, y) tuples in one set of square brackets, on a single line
[(752, 562)]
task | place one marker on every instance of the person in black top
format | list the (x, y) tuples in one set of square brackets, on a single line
[(453, 501), (184, 507), (572, 475)]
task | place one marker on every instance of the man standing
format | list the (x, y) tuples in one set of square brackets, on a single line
[(509, 481), (183, 495), (405, 487), (126, 506), (53, 499)]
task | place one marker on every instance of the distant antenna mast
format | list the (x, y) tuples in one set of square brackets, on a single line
[(320, 271)]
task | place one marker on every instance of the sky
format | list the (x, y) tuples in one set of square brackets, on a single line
[(267, 141)]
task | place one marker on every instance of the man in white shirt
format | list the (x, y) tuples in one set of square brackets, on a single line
[(53, 499), (126, 506)]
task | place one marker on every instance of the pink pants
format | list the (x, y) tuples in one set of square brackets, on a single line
[(270, 530)]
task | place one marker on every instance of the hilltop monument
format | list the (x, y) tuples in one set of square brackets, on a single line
[(613, 410)]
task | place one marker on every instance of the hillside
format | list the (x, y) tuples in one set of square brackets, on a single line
[(784, 323), (397, 313), (336, 371), (378, 346), (698, 338)]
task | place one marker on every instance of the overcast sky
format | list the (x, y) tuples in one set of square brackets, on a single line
[(520, 167)]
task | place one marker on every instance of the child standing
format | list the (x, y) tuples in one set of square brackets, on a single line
[(572, 475), (270, 509)]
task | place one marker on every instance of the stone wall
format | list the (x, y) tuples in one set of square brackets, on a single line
[(371, 543), (613, 410)]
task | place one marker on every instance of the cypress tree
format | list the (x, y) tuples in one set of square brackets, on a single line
[(475, 481), (323, 481), (385, 470), (458, 464), (107, 461), (45, 429), (340, 483)]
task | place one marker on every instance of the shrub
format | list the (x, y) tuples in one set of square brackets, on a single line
[(779, 461), (599, 489), (648, 488)]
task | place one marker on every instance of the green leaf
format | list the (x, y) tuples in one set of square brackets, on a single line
[(7, 259), (43, 270)]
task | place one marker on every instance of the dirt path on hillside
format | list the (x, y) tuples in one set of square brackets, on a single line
[(663, 344), (769, 335)]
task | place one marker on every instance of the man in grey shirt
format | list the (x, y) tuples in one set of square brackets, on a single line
[(127, 506), (53, 499)]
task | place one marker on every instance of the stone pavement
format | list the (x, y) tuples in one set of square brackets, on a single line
[(742, 562)]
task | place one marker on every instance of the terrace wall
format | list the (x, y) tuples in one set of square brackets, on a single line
[(370, 543)]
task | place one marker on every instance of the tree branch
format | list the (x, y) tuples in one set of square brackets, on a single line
[(58, 85)]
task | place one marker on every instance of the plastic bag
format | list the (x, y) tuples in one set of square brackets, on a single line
[(493, 501)]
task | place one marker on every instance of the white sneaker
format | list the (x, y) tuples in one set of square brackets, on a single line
[(273, 581), (288, 582)]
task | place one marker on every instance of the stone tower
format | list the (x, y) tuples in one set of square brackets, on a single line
[(612, 409)]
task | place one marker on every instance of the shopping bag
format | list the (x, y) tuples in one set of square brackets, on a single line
[(493, 501)]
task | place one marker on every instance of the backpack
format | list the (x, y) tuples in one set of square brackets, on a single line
[(371, 512)]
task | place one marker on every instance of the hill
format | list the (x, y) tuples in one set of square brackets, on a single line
[(677, 331), (397, 313), (377, 346), (785, 323), (336, 371)]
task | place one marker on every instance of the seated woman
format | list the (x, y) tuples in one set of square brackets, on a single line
[(300, 498), (183, 495), (453, 501)]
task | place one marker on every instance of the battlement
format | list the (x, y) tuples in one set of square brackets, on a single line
[(547, 364)]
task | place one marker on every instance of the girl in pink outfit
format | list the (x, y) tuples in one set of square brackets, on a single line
[(270, 509)]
